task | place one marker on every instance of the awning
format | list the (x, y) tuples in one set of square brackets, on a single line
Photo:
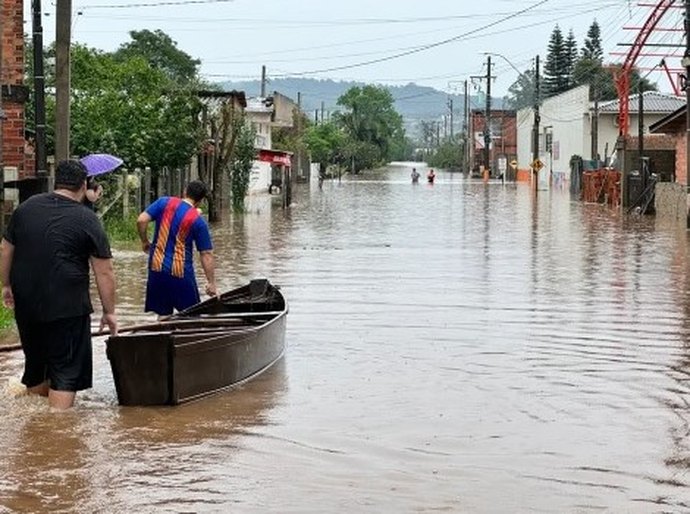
[(276, 157)]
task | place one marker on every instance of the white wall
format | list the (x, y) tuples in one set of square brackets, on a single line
[(525, 120), (566, 116), (569, 116), (608, 130), (260, 177), (261, 121)]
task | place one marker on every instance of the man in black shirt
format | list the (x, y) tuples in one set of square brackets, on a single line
[(50, 242)]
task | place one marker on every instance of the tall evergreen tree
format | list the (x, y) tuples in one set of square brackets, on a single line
[(589, 68), (571, 56), (556, 78), (592, 46)]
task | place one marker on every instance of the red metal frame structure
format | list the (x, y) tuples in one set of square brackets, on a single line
[(623, 76)]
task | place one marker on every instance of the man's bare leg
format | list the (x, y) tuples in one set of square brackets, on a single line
[(61, 400), (41, 389)]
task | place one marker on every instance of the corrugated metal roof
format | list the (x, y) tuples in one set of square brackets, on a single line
[(654, 102)]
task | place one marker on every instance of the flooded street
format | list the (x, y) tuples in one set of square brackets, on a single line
[(459, 347)]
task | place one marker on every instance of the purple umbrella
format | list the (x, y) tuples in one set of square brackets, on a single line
[(100, 163)]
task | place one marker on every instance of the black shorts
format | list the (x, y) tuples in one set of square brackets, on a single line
[(58, 351)]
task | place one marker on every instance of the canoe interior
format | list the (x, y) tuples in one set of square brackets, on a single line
[(209, 347)]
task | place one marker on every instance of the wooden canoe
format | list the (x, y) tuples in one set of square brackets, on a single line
[(202, 350)]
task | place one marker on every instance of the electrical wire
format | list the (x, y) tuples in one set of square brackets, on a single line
[(157, 4), (428, 46), (415, 49)]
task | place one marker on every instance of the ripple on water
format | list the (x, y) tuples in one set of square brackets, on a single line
[(456, 347)]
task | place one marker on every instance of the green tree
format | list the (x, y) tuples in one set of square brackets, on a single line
[(402, 147), (448, 155), (291, 138), (556, 78), (592, 46), (242, 160), (571, 54), (428, 133), (521, 92), (602, 81), (371, 121), (127, 108), (326, 144), (161, 52), (589, 68)]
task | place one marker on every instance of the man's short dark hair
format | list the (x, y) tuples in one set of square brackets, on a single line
[(196, 190), (70, 175)]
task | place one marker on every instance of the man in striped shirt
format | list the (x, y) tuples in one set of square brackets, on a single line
[(179, 227)]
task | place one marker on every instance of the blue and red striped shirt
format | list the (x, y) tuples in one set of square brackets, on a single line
[(179, 226)]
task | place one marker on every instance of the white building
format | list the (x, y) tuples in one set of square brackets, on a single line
[(259, 113), (264, 114), (566, 128)]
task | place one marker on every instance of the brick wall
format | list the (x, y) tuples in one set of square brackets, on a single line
[(504, 122), (13, 90), (653, 142)]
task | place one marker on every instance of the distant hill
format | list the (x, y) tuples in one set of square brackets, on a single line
[(413, 102)]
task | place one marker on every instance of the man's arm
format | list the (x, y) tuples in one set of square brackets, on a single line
[(142, 224), (7, 249), (209, 265), (105, 281)]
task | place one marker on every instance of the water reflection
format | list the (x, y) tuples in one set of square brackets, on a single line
[(444, 342), (37, 476), (99, 458)]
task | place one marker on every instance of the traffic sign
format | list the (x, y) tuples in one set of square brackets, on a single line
[(514, 164), (537, 164)]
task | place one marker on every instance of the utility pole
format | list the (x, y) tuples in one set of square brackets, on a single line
[(595, 125), (640, 135), (466, 128), (41, 165), (686, 64), (487, 123), (535, 127), (263, 81), (299, 135), (450, 108), (63, 19)]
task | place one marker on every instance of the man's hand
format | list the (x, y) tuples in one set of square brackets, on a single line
[(142, 224), (7, 297), (211, 290), (110, 321)]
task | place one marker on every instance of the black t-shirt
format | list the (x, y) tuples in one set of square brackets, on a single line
[(53, 238)]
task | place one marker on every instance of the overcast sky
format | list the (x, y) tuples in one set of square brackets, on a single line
[(445, 39)]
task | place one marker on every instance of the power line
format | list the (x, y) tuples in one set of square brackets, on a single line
[(360, 54), (156, 4), (428, 46), (299, 23)]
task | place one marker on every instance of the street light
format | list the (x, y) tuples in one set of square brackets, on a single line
[(520, 73)]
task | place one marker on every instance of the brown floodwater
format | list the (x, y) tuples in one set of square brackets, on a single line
[(459, 347)]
